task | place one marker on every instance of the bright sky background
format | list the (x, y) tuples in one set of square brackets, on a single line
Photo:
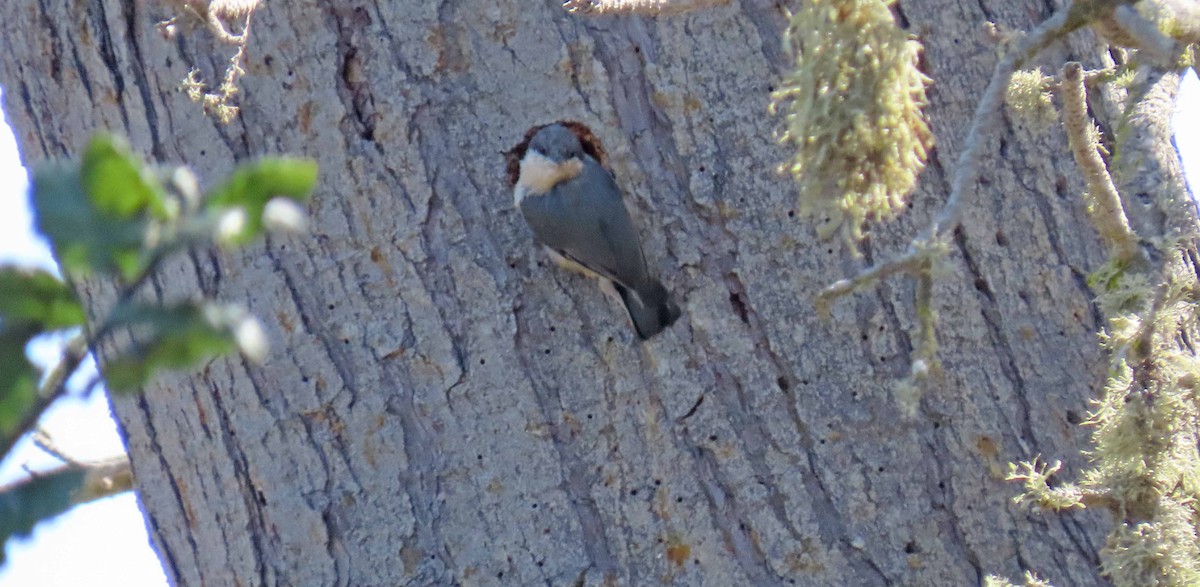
[(105, 542)]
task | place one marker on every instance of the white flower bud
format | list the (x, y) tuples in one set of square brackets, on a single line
[(251, 339), (231, 224), (284, 215)]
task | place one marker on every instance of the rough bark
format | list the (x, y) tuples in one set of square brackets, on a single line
[(441, 406)]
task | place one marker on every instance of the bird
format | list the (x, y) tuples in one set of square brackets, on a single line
[(572, 204)]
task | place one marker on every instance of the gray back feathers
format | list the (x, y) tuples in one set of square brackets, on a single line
[(585, 220)]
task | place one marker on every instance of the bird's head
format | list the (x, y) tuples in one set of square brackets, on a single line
[(553, 151)]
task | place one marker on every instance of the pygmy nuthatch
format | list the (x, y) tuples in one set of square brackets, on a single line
[(575, 209)]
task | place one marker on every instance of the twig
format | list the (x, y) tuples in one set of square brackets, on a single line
[(53, 388), (988, 115), (42, 440), (100, 479), (1106, 214), (910, 260)]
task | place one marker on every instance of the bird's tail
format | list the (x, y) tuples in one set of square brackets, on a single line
[(652, 310)]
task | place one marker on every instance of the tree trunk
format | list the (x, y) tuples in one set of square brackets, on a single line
[(443, 406)]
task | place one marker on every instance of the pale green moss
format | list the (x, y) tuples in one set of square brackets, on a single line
[(853, 109), (1146, 461), (1029, 95)]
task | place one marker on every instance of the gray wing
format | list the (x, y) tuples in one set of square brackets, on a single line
[(585, 220)]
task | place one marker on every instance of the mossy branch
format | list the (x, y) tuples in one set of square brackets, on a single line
[(1184, 21), (1104, 209), (1145, 424), (1126, 27)]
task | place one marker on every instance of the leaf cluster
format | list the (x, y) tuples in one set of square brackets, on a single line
[(112, 216)]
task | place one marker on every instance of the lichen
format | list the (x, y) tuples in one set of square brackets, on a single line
[(853, 109), (1029, 95)]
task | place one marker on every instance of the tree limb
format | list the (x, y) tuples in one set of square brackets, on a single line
[(1106, 212), (1142, 34)]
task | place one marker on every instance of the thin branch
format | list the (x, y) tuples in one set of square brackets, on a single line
[(222, 34), (926, 339), (42, 440), (909, 261), (53, 388), (1106, 212), (105, 479), (100, 479), (989, 115), (1091, 78), (92, 385), (639, 7)]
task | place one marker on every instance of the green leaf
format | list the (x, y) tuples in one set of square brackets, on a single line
[(39, 298), (120, 185), (23, 505), (30, 302), (252, 186), (18, 377), (173, 337), (85, 240)]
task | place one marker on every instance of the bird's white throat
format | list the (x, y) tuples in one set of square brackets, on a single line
[(539, 174)]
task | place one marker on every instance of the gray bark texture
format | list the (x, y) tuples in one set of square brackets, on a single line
[(442, 406)]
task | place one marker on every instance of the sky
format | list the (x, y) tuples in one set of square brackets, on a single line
[(105, 543)]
